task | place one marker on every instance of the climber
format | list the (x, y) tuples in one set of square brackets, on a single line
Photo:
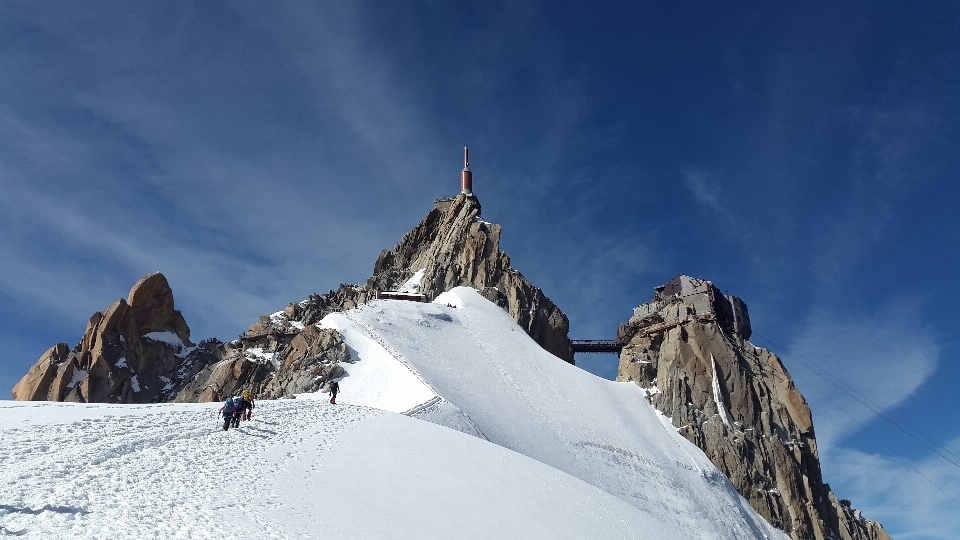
[(334, 388), (248, 406), (227, 411), (237, 410)]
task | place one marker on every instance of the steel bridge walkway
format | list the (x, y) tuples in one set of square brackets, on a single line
[(595, 345)]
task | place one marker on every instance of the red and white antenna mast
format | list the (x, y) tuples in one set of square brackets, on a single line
[(466, 176)]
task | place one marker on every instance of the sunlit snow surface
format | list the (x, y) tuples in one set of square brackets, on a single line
[(570, 455)]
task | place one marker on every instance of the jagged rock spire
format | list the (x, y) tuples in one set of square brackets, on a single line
[(738, 403), (136, 351), (455, 247)]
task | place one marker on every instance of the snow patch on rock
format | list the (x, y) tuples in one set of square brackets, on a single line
[(718, 398), (171, 339), (413, 284)]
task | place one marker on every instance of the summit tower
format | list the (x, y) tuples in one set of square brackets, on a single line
[(466, 176)]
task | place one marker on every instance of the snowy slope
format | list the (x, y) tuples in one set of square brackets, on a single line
[(489, 374), (300, 469), (574, 456)]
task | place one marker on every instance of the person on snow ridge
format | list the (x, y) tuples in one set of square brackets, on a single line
[(334, 388), (227, 411), (237, 410), (248, 406)]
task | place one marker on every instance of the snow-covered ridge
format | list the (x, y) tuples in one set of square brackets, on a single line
[(498, 439), (476, 371)]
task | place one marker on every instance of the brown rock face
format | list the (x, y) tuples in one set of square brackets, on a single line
[(35, 385), (136, 351), (738, 403), (276, 358), (455, 247), (226, 378), (313, 360)]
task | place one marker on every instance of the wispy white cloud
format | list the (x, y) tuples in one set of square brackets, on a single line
[(914, 499), (843, 358), (853, 367), (706, 191), (158, 180)]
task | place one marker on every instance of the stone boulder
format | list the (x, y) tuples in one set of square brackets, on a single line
[(738, 403), (136, 351)]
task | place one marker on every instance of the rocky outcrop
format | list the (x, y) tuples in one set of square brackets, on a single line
[(228, 377), (316, 306), (276, 358), (738, 403), (314, 359), (136, 351), (453, 247), (37, 384)]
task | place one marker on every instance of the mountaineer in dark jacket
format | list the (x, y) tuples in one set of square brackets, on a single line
[(334, 388)]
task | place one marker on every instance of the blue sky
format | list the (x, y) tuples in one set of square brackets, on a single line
[(803, 156)]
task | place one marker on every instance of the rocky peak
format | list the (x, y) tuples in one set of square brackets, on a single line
[(453, 246), (138, 350), (150, 309), (738, 403), (284, 354)]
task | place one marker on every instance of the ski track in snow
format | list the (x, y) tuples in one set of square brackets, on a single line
[(71, 480)]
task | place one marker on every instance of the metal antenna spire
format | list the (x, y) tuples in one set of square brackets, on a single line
[(466, 176)]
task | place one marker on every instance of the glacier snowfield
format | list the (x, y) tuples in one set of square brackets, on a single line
[(451, 423)]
